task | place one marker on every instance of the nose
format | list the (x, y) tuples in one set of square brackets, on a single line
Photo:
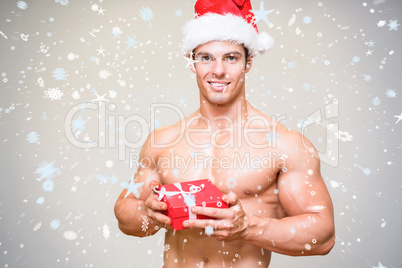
[(219, 69)]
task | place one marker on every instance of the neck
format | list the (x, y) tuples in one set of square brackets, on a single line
[(227, 115)]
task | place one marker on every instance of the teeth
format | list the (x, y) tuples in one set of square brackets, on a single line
[(218, 84)]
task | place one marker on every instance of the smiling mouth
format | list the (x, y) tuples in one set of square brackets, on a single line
[(218, 85)]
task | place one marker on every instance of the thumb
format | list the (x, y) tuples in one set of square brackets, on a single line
[(154, 184), (231, 199)]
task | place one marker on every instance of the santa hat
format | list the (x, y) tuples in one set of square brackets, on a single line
[(225, 20)]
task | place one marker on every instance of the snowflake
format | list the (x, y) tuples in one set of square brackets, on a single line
[(63, 2), (145, 223), (166, 247), (131, 42), (24, 37), (41, 82), (272, 137), (209, 230), (116, 30), (317, 208), (306, 86), (76, 95), (334, 184), (390, 93), (380, 265), (376, 101), (54, 224), (71, 56), (231, 182), (48, 186), (22, 5), (106, 231), (59, 74), (237, 208), (105, 179), (292, 64), (261, 14), (37, 226), (381, 23), (112, 93), (104, 74), (182, 101), (94, 7), (4, 35), (307, 20), (78, 124), (393, 25), (219, 204), (40, 200), (134, 188), (70, 235), (399, 119), (284, 156), (109, 163), (54, 94), (46, 170), (179, 13), (32, 137), (292, 20), (146, 14), (343, 136), (310, 172)]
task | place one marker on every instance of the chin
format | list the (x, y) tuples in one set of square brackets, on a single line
[(219, 101)]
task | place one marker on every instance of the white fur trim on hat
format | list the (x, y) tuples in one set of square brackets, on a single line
[(228, 27)]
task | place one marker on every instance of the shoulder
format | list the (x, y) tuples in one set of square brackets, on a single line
[(296, 148), (165, 137)]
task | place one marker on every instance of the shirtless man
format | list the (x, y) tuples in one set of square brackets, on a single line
[(279, 204)]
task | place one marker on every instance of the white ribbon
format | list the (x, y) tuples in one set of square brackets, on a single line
[(188, 197)]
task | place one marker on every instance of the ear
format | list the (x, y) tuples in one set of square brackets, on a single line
[(249, 64), (192, 66)]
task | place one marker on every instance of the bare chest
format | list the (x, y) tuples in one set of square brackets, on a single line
[(243, 170)]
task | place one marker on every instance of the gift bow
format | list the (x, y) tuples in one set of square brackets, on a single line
[(188, 197)]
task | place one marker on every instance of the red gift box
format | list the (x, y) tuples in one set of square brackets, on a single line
[(181, 197)]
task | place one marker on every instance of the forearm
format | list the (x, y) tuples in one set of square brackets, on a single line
[(133, 219), (306, 234)]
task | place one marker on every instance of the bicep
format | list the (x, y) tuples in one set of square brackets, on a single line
[(301, 188), (138, 186)]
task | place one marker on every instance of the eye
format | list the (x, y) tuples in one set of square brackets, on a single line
[(231, 59), (206, 58)]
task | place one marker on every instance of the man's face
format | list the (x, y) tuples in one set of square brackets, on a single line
[(220, 68)]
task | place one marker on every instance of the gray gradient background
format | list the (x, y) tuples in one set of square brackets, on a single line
[(367, 204)]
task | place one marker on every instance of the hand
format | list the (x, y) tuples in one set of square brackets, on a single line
[(230, 224), (153, 206)]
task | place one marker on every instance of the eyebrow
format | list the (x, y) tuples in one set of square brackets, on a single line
[(202, 53)]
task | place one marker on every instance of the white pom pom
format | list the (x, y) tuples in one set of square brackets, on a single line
[(265, 42)]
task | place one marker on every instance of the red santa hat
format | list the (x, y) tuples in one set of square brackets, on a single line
[(225, 20)]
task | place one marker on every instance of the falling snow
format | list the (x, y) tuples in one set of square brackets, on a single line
[(110, 63), (54, 94)]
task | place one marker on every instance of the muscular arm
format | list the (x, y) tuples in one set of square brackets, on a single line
[(308, 228), (131, 209)]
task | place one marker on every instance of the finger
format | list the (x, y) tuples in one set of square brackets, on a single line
[(154, 204), (218, 213), (154, 184), (231, 199), (203, 224), (159, 218)]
